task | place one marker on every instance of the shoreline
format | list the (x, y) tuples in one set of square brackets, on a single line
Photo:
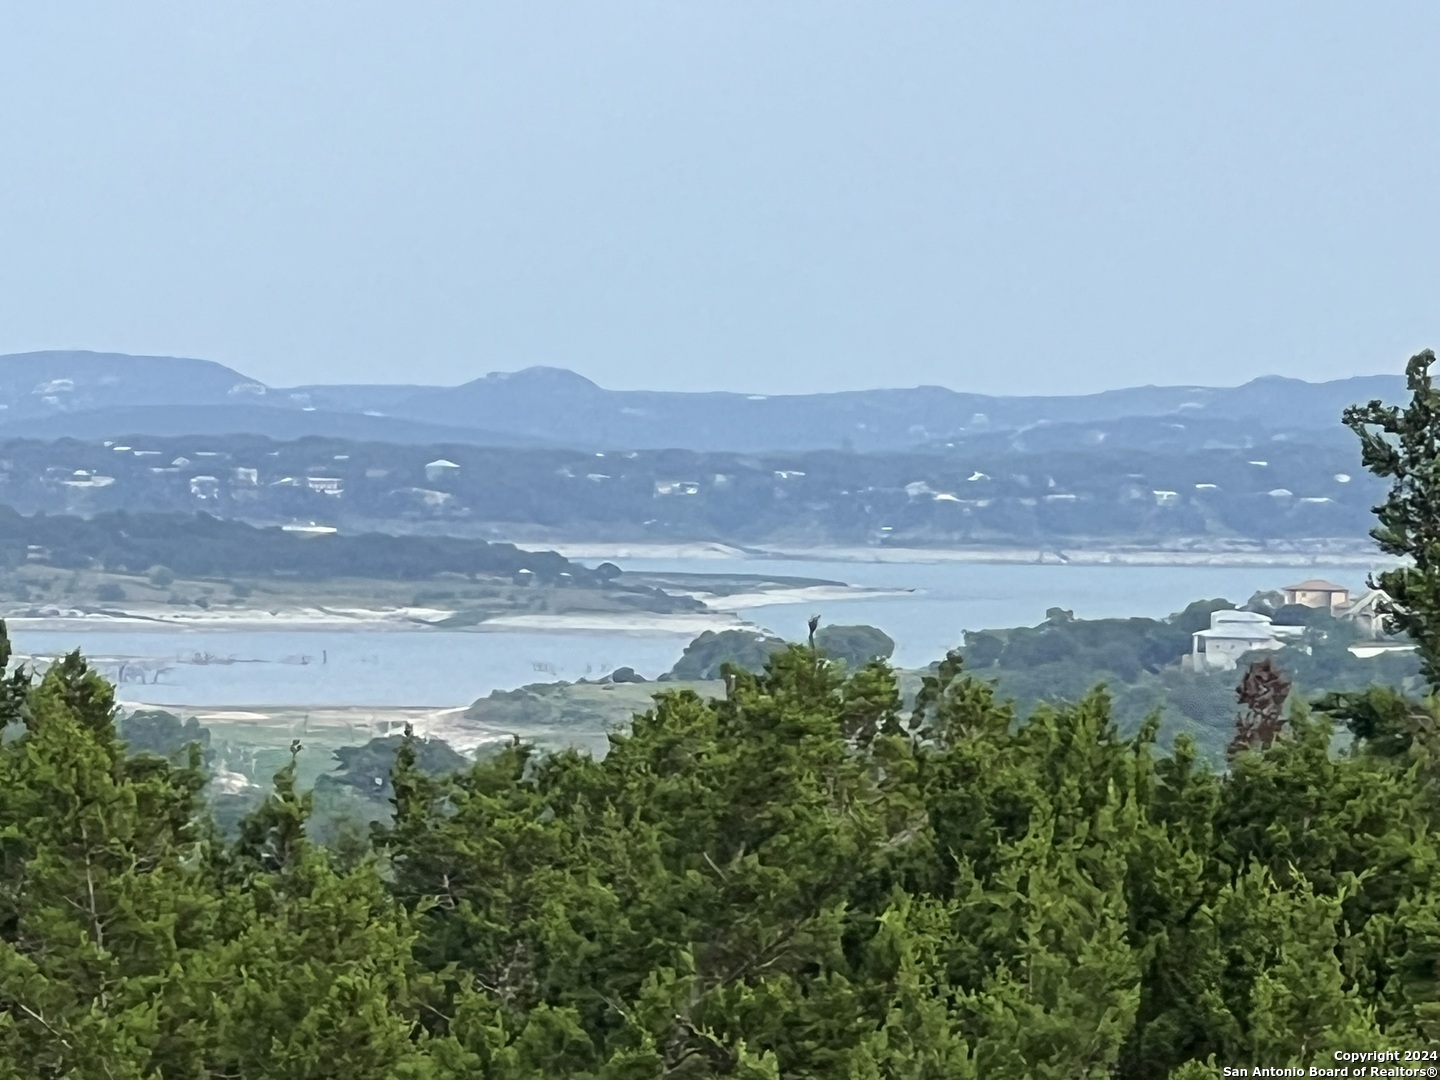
[(722, 614), (1080, 556), (804, 594), (580, 622), (285, 619), (688, 625)]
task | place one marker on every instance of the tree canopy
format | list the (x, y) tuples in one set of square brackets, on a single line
[(799, 879), (1402, 445)]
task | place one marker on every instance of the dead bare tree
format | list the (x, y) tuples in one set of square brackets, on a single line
[(1262, 694)]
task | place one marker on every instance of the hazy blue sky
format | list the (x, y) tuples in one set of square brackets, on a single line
[(772, 196)]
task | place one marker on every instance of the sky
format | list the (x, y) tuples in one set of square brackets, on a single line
[(770, 197)]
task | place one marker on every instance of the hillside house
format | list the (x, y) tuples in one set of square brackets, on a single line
[(82, 478), (1317, 593), (427, 497), (1231, 635), (326, 485), (1365, 613), (440, 469), (204, 487)]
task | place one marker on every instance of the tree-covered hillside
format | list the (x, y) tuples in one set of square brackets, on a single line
[(1141, 663), (199, 544), (1050, 495)]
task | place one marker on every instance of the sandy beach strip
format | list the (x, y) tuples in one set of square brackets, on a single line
[(688, 624), (683, 624), (720, 616), (1200, 555), (808, 594), (618, 552), (1083, 557), (249, 619)]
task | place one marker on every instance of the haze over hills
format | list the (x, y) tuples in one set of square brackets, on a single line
[(864, 420), (94, 395), (275, 422)]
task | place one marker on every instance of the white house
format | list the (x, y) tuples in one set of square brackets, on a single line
[(1231, 635), (1228, 616), (439, 469), (204, 487), (326, 485), (81, 478)]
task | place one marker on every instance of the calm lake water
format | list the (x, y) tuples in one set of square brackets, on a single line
[(391, 668), (953, 598)]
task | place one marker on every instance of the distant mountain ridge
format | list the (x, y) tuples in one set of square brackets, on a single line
[(865, 420), (91, 395), (39, 384)]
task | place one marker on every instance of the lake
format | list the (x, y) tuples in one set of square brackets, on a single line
[(436, 668), (955, 597)]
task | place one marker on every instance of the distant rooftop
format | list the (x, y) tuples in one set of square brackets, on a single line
[(1238, 632), (1316, 585), (1236, 617)]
